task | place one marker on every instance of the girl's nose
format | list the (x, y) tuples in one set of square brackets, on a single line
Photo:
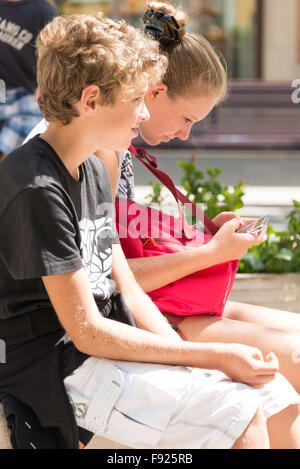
[(144, 114), (184, 134)]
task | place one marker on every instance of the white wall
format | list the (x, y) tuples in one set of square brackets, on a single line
[(280, 40)]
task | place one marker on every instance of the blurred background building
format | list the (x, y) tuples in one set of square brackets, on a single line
[(252, 34)]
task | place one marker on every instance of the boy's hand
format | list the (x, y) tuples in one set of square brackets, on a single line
[(227, 245), (247, 365)]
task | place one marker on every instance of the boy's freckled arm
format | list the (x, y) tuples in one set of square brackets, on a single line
[(145, 313), (97, 336)]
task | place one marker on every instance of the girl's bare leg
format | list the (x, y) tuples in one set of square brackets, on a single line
[(285, 345), (284, 429), (256, 434), (267, 317)]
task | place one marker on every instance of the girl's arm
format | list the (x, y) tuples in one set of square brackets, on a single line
[(155, 272)]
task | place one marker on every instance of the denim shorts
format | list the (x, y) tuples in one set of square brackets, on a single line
[(18, 116)]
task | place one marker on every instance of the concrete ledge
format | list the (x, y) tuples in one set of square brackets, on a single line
[(281, 291)]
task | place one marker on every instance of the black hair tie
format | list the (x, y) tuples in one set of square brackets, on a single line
[(163, 28)]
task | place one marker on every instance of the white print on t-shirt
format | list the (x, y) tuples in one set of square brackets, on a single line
[(65, 339), (97, 264), (12, 34)]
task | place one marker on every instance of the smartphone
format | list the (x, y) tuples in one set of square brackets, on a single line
[(255, 226)]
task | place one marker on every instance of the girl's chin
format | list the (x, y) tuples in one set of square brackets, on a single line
[(165, 139), (152, 141)]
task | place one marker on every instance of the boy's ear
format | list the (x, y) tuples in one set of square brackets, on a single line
[(90, 98), (155, 91)]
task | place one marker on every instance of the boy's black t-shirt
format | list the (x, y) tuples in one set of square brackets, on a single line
[(52, 224), (20, 23)]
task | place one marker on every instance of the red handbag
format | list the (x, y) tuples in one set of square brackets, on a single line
[(145, 232)]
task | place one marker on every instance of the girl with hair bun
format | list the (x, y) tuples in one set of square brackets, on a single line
[(195, 82)]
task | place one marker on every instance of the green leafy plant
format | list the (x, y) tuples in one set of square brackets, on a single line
[(279, 253), (206, 189), (155, 197)]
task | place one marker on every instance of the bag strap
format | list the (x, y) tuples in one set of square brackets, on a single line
[(151, 163)]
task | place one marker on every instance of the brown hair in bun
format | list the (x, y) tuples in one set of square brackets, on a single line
[(169, 9), (194, 66)]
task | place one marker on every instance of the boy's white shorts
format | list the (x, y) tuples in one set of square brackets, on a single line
[(155, 406)]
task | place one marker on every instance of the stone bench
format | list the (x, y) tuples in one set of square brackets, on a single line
[(96, 443)]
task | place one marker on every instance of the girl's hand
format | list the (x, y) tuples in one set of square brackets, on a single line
[(228, 245), (224, 217)]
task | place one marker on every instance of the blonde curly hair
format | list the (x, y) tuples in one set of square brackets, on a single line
[(80, 50)]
